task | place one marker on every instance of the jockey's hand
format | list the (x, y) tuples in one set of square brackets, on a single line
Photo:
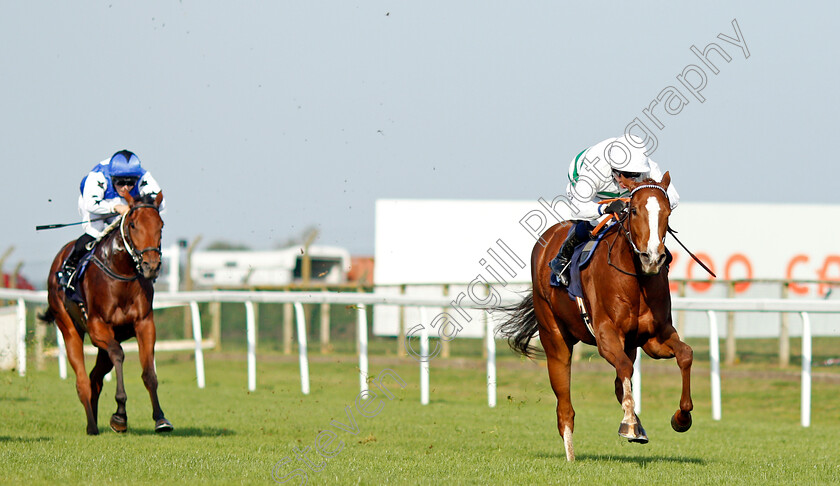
[(121, 208), (615, 207)]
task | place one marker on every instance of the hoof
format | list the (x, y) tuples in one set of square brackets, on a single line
[(94, 431), (681, 426), (163, 425), (633, 433), (119, 423)]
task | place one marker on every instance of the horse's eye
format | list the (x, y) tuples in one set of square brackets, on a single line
[(131, 225), (632, 210)]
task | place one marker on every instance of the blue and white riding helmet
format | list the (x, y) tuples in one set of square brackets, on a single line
[(125, 168)]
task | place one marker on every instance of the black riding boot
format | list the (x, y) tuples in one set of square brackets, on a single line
[(65, 274), (560, 264)]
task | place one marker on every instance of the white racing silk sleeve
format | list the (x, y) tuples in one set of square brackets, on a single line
[(93, 195), (148, 185), (656, 174)]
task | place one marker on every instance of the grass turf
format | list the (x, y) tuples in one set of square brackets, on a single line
[(225, 434)]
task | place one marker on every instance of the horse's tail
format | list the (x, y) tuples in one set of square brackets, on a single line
[(520, 327), (47, 317)]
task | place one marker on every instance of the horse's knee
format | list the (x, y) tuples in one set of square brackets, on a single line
[(685, 356), (149, 378)]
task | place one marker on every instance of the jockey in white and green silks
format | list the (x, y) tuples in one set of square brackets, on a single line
[(593, 177)]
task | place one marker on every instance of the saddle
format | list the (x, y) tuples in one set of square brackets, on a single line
[(73, 291), (580, 258)]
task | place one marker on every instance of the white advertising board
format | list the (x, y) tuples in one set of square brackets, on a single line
[(426, 242)]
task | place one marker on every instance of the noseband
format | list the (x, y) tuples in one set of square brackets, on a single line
[(137, 256)]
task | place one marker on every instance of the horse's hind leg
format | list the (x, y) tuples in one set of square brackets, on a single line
[(101, 368), (669, 345), (75, 354), (559, 357), (558, 351), (146, 345)]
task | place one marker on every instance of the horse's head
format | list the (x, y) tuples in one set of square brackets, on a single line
[(649, 210), (141, 232)]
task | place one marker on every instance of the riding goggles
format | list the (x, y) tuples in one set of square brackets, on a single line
[(124, 181), (627, 175)]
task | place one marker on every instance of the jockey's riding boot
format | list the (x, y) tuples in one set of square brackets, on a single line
[(560, 265), (65, 274)]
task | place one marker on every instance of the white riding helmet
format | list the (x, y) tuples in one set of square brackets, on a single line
[(625, 156)]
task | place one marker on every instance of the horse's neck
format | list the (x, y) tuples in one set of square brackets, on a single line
[(112, 249)]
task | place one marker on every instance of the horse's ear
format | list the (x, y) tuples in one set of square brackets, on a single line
[(158, 199), (127, 196), (666, 180)]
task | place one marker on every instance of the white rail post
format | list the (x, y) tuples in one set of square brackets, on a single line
[(361, 331), (199, 353), (424, 358), (491, 360), (174, 254), (62, 354), (637, 382), (251, 331), (21, 334), (714, 355), (806, 370), (300, 318)]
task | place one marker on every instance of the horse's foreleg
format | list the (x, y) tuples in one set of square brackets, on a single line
[(119, 420), (612, 349), (101, 368), (146, 345), (670, 347)]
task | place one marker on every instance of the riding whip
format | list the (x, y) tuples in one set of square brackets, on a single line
[(53, 226)]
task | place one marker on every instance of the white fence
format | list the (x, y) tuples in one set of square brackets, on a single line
[(360, 300)]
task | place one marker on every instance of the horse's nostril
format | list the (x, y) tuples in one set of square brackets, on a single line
[(661, 259)]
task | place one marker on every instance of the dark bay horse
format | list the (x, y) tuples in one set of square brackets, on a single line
[(627, 296), (117, 292)]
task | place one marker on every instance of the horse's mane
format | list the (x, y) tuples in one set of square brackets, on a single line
[(110, 228), (144, 199)]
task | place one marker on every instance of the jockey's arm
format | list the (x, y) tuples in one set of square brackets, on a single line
[(148, 185), (93, 196), (656, 174), (583, 200)]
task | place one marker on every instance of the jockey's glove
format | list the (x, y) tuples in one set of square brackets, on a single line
[(615, 207)]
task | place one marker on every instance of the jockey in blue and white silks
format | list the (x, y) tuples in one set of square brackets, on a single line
[(593, 177), (99, 197)]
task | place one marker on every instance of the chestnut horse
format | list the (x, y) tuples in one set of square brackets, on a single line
[(626, 293), (117, 293)]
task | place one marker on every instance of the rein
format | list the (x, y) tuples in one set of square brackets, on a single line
[(629, 237), (136, 256)]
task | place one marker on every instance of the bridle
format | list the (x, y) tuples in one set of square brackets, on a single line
[(137, 256), (626, 230)]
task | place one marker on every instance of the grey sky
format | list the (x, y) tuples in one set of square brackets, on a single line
[(262, 118)]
